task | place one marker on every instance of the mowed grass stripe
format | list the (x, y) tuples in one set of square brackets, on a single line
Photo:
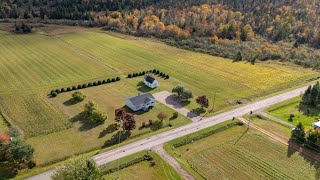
[(56, 60), (36, 61), (23, 61), (33, 115), (225, 168), (112, 52)]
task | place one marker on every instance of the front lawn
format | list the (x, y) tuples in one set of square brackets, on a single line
[(302, 113), (82, 137)]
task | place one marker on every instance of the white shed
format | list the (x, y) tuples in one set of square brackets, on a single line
[(150, 81)]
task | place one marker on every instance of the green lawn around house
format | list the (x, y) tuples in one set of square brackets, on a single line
[(302, 113)]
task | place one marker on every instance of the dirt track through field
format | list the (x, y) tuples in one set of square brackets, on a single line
[(167, 157)]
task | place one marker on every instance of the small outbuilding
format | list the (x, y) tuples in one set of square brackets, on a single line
[(150, 81), (316, 125), (143, 101)]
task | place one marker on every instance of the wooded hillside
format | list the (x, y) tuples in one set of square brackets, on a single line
[(202, 25)]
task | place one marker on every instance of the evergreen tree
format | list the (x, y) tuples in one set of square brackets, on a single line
[(298, 134), (311, 140), (238, 56), (306, 98)]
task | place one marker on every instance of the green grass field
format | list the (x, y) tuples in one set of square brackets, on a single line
[(33, 64), (161, 170), (271, 126), (33, 114), (203, 74), (243, 154), (293, 106), (3, 125), (83, 138)]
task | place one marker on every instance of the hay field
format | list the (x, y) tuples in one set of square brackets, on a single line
[(34, 115), (237, 154), (33, 62), (204, 74)]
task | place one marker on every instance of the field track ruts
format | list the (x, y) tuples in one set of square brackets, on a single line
[(293, 145)]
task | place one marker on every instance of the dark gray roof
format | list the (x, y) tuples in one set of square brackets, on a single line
[(141, 99), (150, 79)]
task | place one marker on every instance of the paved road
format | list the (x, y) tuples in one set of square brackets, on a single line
[(148, 143), (164, 137), (172, 102), (167, 157)]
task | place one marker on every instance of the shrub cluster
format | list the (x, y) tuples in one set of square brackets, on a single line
[(146, 157), (207, 134), (142, 73), (54, 93), (154, 71)]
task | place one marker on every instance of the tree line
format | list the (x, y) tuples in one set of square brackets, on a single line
[(275, 20), (219, 27)]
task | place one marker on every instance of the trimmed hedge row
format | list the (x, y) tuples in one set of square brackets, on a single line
[(207, 134), (55, 93), (146, 157), (154, 71)]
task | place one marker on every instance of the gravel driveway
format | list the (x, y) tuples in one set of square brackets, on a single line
[(171, 101)]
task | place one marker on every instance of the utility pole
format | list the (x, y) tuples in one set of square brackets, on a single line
[(213, 102)]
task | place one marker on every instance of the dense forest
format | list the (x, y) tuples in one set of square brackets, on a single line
[(265, 29)]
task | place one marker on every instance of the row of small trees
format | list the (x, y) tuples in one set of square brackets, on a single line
[(54, 93), (154, 71)]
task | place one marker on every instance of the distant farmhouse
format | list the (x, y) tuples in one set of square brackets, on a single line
[(141, 102), (150, 81)]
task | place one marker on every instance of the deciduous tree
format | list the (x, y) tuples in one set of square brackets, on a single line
[(129, 123), (78, 96), (203, 101), (79, 169)]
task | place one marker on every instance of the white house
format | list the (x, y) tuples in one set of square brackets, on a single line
[(143, 101), (150, 81)]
